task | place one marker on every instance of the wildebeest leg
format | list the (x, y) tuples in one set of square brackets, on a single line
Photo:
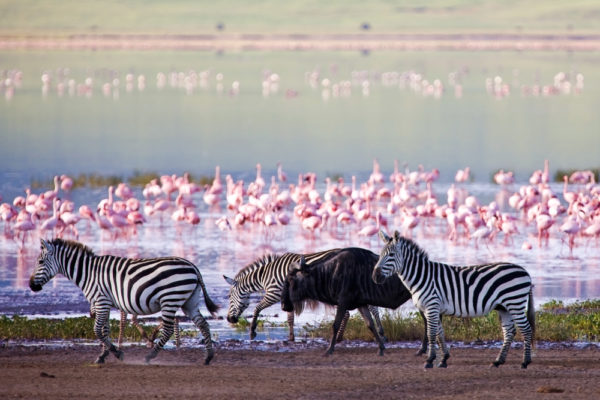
[(366, 314), (102, 330), (290, 320), (337, 322), (340, 335)]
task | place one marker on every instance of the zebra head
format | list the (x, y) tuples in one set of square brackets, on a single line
[(238, 300), (390, 259), (47, 266)]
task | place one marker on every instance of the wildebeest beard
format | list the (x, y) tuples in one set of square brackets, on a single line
[(296, 295)]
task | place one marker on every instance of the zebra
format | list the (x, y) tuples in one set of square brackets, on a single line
[(470, 291), (268, 273), (136, 286)]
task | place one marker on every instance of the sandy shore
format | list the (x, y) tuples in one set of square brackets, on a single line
[(295, 371)]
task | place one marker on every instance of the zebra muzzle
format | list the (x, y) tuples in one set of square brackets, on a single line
[(36, 287)]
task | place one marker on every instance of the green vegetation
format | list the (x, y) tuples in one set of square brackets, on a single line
[(579, 321), (64, 17), (558, 175), (19, 327)]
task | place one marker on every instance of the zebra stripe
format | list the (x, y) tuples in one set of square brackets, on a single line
[(440, 289), (265, 273), (268, 273), (135, 286)]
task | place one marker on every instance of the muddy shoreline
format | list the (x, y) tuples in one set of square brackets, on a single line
[(298, 372)]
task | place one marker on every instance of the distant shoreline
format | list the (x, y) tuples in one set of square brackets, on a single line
[(316, 42)]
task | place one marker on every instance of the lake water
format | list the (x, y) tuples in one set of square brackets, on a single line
[(329, 113)]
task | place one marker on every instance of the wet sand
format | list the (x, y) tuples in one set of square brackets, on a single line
[(296, 372)]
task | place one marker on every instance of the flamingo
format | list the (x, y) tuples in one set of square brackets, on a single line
[(66, 183), (462, 175), (51, 223), (571, 227)]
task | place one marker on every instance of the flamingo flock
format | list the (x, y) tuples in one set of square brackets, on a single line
[(111, 83), (405, 200)]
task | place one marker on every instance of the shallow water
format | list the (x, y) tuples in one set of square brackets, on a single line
[(556, 274)]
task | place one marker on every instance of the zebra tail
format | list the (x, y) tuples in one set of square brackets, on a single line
[(531, 316), (210, 305)]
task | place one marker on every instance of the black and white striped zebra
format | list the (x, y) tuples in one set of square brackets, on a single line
[(137, 286), (470, 291), (268, 274)]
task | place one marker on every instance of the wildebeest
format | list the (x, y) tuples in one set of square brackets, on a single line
[(343, 281)]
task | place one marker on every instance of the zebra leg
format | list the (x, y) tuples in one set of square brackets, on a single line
[(366, 314), (340, 335), (527, 333), (433, 323), (337, 322), (264, 303), (194, 314), (177, 334), (375, 313), (423, 348), (443, 347), (508, 331), (290, 321), (122, 324), (168, 316), (102, 330)]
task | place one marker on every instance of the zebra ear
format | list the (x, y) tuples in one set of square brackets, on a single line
[(229, 280), (45, 245), (384, 237), (397, 236)]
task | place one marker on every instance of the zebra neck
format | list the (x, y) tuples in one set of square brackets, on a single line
[(413, 271), (84, 271)]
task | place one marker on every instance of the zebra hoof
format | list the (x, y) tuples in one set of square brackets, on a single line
[(428, 365), (442, 365), (524, 365), (381, 352), (420, 352), (119, 354), (495, 364), (99, 360)]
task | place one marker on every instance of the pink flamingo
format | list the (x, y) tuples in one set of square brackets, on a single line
[(371, 229), (280, 174), (462, 175), (66, 183), (192, 217), (571, 227), (51, 223), (23, 226)]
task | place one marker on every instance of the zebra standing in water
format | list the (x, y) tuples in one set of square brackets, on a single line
[(470, 291), (268, 273), (136, 286)]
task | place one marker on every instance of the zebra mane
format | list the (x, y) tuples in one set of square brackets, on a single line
[(414, 248), (258, 263), (58, 242)]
